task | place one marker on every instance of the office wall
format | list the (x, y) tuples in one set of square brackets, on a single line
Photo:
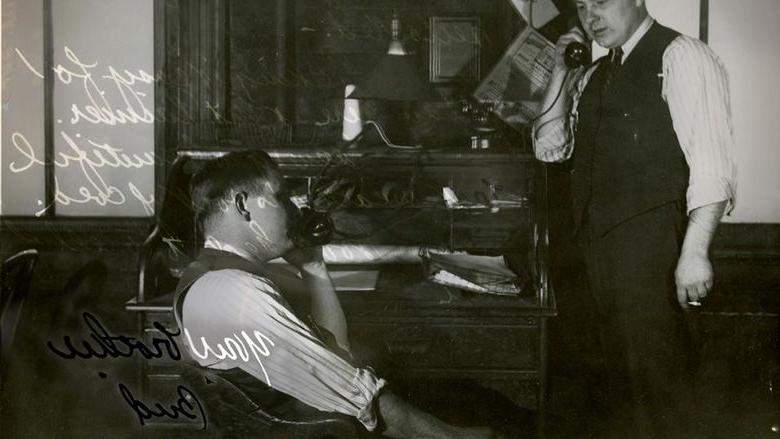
[(745, 35)]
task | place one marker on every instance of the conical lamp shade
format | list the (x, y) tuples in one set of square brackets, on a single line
[(395, 78)]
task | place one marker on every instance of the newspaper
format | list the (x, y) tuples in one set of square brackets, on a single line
[(518, 80), (480, 274)]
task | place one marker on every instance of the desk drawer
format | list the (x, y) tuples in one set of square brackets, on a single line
[(423, 346)]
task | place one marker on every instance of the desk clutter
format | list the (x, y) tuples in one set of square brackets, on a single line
[(479, 274)]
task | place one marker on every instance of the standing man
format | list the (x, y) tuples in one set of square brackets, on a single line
[(648, 129)]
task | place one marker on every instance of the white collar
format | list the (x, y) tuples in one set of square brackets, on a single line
[(215, 244), (631, 43)]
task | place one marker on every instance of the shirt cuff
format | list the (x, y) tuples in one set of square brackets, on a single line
[(367, 387), (553, 143), (715, 190)]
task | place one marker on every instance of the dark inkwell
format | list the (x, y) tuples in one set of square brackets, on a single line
[(115, 346), (187, 406)]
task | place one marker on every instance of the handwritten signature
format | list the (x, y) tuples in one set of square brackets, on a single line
[(127, 104), (115, 346), (186, 406), (90, 161), (101, 344), (235, 347), (99, 110)]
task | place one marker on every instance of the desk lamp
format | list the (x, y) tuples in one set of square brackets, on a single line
[(395, 78)]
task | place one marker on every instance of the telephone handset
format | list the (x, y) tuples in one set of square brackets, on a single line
[(577, 54), (314, 227)]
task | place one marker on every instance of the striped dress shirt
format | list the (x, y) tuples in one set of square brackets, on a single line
[(232, 318), (695, 87)]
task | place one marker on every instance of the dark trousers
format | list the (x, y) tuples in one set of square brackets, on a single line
[(643, 330)]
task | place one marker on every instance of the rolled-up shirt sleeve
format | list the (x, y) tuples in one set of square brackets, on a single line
[(696, 90), (231, 318), (553, 140)]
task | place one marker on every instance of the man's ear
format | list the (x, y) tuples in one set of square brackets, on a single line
[(240, 202)]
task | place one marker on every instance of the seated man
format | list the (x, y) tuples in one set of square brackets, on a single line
[(238, 314)]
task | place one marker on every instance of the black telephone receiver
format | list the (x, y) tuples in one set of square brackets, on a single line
[(577, 54), (314, 227)]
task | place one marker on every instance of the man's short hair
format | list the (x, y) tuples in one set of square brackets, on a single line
[(216, 184)]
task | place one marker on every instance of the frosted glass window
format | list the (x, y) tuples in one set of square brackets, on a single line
[(103, 108)]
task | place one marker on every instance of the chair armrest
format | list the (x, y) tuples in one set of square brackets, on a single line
[(232, 410), (150, 245)]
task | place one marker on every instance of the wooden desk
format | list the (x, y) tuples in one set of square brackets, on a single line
[(413, 328)]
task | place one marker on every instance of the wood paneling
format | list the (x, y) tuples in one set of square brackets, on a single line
[(241, 64), (67, 246)]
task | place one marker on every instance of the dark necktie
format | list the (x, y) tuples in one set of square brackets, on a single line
[(615, 59)]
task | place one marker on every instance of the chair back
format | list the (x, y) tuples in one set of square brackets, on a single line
[(174, 242), (15, 279)]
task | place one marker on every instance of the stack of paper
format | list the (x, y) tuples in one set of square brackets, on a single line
[(354, 280), (480, 274)]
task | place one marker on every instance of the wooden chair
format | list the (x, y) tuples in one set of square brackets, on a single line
[(15, 277), (170, 247), (174, 242), (234, 414)]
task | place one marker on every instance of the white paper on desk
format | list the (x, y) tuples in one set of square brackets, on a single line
[(343, 280), (481, 274), (446, 278), (519, 79), (543, 11), (354, 280)]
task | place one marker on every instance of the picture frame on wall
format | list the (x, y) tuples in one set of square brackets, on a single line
[(455, 49)]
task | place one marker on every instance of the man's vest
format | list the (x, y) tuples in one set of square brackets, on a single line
[(258, 392), (627, 159), (213, 260), (208, 260)]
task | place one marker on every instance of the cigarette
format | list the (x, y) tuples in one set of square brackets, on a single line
[(694, 303)]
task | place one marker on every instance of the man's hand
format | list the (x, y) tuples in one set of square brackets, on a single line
[(307, 259), (324, 304), (556, 100), (574, 34), (694, 277)]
